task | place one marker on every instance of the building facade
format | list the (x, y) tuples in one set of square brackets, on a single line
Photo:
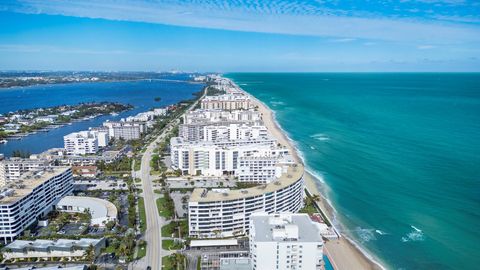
[(227, 102), (285, 241), (125, 130), (226, 213), (31, 197), (81, 143), (11, 169)]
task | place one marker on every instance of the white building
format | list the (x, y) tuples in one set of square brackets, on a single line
[(226, 213), (83, 142), (220, 157), (285, 241), (218, 115), (231, 130), (261, 169), (237, 101), (60, 248), (11, 169), (101, 211), (32, 197), (125, 130)]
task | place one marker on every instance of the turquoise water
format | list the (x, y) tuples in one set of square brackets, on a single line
[(399, 155)]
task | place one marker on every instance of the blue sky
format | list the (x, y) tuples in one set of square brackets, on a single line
[(240, 35)]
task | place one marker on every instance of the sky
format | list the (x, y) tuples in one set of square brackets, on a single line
[(240, 35)]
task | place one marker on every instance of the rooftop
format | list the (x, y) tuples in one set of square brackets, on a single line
[(284, 227), (294, 173), (43, 244), (28, 182), (98, 208)]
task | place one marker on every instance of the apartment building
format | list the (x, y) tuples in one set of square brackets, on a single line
[(125, 130), (225, 213), (11, 169), (31, 197), (236, 101), (82, 143), (237, 130), (217, 115), (285, 241), (220, 157)]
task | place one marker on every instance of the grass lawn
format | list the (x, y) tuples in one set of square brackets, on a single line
[(168, 229), (169, 244), (138, 180), (142, 251), (143, 215), (162, 210), (157, 191), (167, 263), (138, 163)]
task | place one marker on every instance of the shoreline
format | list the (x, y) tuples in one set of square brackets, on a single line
[(343, 253)]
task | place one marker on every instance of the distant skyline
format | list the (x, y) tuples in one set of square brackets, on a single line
[(241, 35)]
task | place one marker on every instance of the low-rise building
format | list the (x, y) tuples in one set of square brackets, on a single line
[(85, 171), (60, 248), (285, 241), (31, 197), (101, 211)]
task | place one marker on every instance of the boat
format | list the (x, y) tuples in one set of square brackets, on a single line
[(3, 141), (113, 114)]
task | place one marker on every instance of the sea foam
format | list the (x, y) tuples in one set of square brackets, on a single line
[(415, 235)]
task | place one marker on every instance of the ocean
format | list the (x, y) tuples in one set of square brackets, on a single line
[(397, 154), (141, 94)]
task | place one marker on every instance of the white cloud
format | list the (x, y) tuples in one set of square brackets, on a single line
[(281, 17)]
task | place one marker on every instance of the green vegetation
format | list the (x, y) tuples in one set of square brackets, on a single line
[(175, 228), (143, 215), (309, 204), (62, 114), (142, 249), (122, 165), (169, 244), (175, 261), (165, 206), (21, 153)]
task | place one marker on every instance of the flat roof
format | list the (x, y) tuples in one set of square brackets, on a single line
[(307, 229), (99, 208), (293, 174), (62, 243), (29, 181), (213, 243)]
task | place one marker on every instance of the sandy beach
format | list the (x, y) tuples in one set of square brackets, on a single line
[(342, 253)]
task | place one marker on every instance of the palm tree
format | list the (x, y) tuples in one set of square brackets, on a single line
[(90, 253)]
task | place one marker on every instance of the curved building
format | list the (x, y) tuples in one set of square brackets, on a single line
[(225, 213)]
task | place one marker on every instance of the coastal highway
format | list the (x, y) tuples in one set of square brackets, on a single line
[(154, 254)]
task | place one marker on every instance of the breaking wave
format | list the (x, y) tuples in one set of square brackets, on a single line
[(415, 235), (320, 137)]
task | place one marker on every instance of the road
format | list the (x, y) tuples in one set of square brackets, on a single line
[(154, 254)]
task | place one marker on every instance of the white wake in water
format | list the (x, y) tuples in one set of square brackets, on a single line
[(320, 137), (415, 235)]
